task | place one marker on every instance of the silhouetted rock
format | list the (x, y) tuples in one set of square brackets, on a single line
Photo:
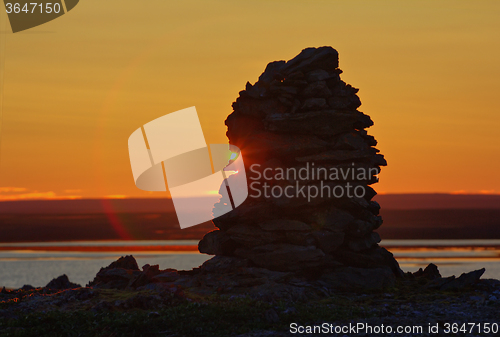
[(62, 282), (310, 273), (147, 275), (301, 117), (124, 274), (430, 272), (125, 262), (118, 275), (464, 280), (116, 278), (27, 287), (216, 243)]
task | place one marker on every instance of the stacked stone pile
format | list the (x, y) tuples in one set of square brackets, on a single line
[(301, 117)]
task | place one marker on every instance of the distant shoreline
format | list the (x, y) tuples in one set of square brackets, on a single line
[(429, 224), (405, 216), (408, 201)]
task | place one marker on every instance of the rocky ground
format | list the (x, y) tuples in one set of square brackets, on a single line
[(124, 300)]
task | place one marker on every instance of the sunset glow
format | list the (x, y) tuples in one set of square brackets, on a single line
[(428, 77)]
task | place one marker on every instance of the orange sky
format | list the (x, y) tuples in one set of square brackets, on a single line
[(77, 87)]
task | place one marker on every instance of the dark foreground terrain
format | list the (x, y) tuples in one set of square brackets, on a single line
[(88, 312), (125, 302)]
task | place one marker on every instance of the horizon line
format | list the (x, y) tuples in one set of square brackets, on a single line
[(121, 197)]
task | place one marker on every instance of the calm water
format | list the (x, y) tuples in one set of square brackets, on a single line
[(37, 263)]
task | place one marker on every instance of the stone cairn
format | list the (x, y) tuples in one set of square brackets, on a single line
[(301, 115), (298, 116)]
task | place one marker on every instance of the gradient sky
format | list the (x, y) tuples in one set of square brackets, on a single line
[(77, 87)]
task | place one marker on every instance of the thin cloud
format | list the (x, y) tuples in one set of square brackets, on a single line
[(12, 189), (464, 192), (488, 192), (15, 193), (115, 196)]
